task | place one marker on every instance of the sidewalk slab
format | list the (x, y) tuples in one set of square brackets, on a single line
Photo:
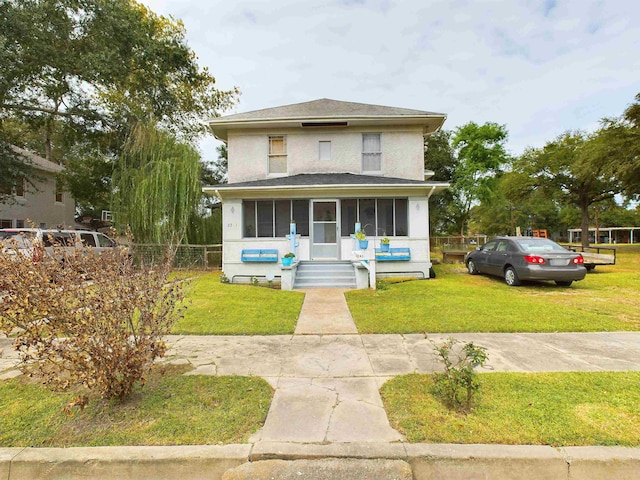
[(325, 312), (315, 410)]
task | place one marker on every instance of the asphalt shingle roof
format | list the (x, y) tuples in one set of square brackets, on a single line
[(326, 179), (324, 108)]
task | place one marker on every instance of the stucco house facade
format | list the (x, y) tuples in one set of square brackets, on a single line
[(44, 203), (332, 168)]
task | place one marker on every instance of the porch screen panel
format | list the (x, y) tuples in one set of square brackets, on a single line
[(348, 216), (402, 220), (249, 218), (265, 219), (367, 216), (385, 216), (301, 216), (283, 217)]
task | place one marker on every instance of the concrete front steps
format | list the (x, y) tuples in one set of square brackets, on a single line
[(325, 274)]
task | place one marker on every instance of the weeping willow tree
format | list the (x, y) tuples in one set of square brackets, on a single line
[(156, 186)]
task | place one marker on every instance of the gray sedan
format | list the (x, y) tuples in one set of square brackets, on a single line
[(526, 258)]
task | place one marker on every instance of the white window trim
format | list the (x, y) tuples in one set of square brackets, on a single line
[(362, 153), (320, 159), (269, 155)]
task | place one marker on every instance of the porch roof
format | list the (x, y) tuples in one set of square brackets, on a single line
[(316, 184)]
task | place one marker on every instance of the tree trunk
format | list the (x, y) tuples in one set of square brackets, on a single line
[(584, 225)]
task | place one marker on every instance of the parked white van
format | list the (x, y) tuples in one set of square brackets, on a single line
[(33, 242)]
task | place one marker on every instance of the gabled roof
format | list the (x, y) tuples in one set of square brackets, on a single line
[(326, 112), (37, 161)]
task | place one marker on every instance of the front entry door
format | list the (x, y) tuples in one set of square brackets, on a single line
[(325, 235)]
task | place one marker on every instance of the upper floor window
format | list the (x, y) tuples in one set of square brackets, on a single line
[(324, 150), (277, 154), (58, 192), (20, 187), (371, 152)]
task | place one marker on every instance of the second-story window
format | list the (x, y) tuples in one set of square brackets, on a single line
[(371, 152), (58, 192), (20, 187), (277, 154), (324, 150)]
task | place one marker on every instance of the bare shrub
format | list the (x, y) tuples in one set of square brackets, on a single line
[(81, 319)]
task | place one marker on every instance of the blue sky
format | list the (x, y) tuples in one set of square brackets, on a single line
[(539, 67)]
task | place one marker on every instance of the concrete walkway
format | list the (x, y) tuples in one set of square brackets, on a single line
[(326, 377), (327, 406), (325, 311)]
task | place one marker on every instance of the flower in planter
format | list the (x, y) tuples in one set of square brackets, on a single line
[(384, 241), (361, 235)]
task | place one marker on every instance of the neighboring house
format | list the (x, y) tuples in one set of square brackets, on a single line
[(331, 167), (43, 204)]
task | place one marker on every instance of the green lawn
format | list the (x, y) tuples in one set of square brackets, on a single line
[(216, 308), (607, 300), (558, 409), (171, 410)]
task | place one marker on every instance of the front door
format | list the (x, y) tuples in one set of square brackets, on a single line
[(324, 232)]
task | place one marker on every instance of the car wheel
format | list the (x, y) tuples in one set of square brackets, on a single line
[(471, 266), (563, 283), (511, 277)]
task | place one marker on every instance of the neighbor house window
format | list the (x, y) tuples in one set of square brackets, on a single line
[(58, 193), (271, 218), (324, 150), (19, 223), (6, 223), (278, 154), (377, 216), (371, 152), (20, 187)]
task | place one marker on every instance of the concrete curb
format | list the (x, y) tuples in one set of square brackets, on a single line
[(428, 461)]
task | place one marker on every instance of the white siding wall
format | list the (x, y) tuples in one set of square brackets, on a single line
[(402, 152)]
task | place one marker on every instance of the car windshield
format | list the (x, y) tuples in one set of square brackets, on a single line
[(532, 245)]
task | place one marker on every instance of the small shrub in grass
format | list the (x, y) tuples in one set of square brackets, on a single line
[(381, 285), (458, 384), (94, 321)]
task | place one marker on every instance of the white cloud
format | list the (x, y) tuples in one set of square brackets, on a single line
[(538, 67)]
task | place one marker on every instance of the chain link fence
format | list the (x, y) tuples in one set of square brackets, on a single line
[(187, 256)]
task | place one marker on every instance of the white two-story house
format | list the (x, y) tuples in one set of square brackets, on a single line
[(332, 168)]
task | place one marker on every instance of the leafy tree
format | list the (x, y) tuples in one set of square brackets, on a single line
[(480, 150), (570, 168), (156, 186), (503, 210), (440, 158), (619, 140), (78, 74)]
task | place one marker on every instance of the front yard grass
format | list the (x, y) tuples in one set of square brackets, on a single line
[(558, 409), (216, 308), (606, 300), (170, 410)]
